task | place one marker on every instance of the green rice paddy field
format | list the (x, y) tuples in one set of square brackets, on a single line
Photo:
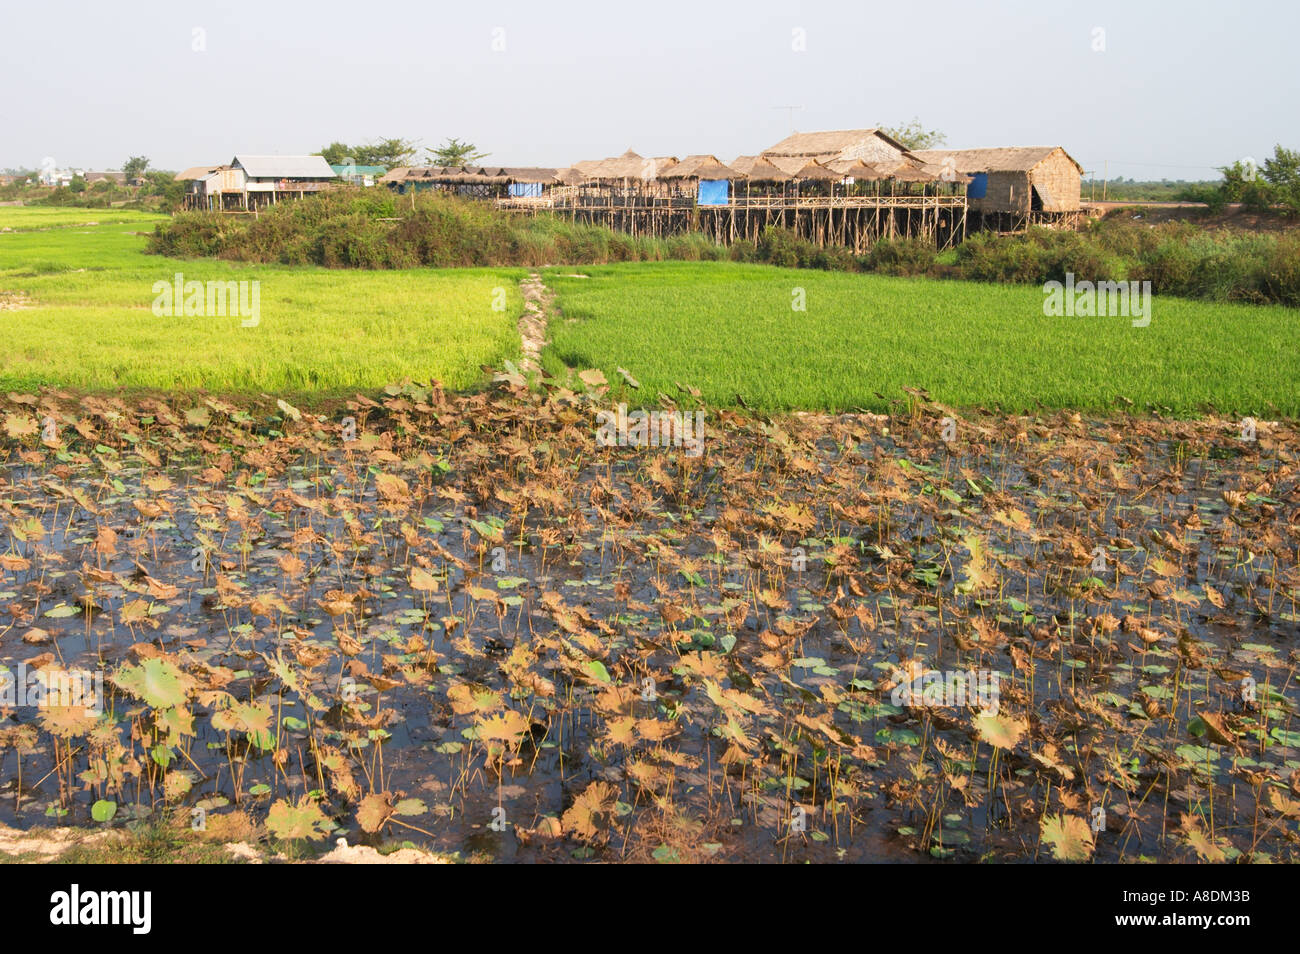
[(76, 305), (33, 218), (731, 329), (77, 310)]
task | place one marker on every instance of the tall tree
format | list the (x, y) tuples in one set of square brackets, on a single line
[(1282, 172), (914, 136), (336, 153), (135, 167), (453, 152), (386, 152), (1277, 183)]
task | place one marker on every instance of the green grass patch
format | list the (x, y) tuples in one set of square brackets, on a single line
[(730, 329), (24, 218), (87, 320)]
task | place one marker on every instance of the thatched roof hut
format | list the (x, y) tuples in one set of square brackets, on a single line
[(630, 165), (870, 145), (424, 174), (195, 172), (1014, 179), (908, 171), (471, 175), (856, 169), (759, 169), (540, 174), (569, 176), (700, 167), (787, 164), (812, 170)]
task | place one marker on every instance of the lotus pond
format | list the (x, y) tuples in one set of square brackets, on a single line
[(457, 621)]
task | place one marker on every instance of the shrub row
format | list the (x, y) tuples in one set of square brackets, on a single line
[(369, 229)]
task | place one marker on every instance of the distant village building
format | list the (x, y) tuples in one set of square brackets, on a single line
[(520, 185), (58, 177), (871, 146), (268, 179), (365, 176), (1012, 187), (249, 183), (214, 188), (629, 167), (707, 179), (847, 187), (117, 178), (618, 183)]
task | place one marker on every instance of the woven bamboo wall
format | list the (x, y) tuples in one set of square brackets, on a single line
[(1061, 181), (1056, 175), (1007, 192)]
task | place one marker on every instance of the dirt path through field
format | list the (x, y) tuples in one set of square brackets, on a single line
[(14, 300), (538, 304)]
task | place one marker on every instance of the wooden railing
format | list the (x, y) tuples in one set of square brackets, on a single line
[(570, 201)]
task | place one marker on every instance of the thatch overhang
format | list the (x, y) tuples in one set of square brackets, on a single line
[(700, 167), (814, 171), (857, 170), (760, 169)]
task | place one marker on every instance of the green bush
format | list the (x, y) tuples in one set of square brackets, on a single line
[(902, 256), (1178, 259), (1281, 281)]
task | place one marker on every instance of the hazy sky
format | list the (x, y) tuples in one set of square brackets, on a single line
[(1179, 88)]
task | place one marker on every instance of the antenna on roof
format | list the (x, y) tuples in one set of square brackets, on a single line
[(792, 109)]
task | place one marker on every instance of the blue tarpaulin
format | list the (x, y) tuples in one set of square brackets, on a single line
[(979, 185), (525, 190), (714, 191)]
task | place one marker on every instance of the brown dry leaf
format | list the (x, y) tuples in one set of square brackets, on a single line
[(423, 580), (160, 590), (1069, 836), (1050, 757), (374, 811), (291, 565), (1206, 849), (1280, 802), (20, 425), (136, 613), (106, 541), (1214, 596), (1163, 567), (1000, 731), (1217, 730), (589, 816), (392, 488), (505, 728), (335, 607)]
